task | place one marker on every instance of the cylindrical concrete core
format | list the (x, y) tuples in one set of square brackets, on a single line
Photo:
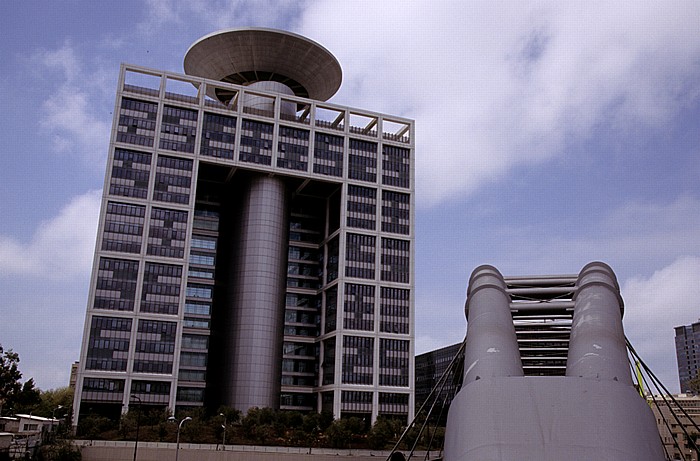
[(264, 103), (492, 347), (254, 341), (597, 345)]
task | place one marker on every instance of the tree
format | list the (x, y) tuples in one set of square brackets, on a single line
[(10, 386), (694, 385), (55, 403), (27, 398)]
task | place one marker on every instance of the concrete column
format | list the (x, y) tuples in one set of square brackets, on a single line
[(492, 348), (265, 103), (257, 291), (597, 346)]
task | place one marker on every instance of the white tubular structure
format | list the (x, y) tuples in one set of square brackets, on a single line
[(492, 348), (584, 409)]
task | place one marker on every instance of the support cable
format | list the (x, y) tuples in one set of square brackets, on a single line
[(440, 383), (665, 420), (658, 382)]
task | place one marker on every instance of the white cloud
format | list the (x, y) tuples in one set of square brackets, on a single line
[(494, 84), (654, 306), (69, 113), (60, 247), (220, 14)]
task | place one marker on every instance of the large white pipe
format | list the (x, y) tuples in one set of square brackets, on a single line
[(491, 348), (597, 346)]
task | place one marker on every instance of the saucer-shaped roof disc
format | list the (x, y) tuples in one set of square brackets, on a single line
[(248, 55)]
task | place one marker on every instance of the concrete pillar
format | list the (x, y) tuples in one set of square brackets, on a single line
[(492, 348), (258, 280)]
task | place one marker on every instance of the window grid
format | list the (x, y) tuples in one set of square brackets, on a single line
[(362, 160), (103, 390), (161, 289), (178, 129), (151, 391), (356, 401), (391, 403), (108, 345), (137, 122), (396, 213), (358, 313), (218, 136), (293, 148), (173, 180), (328, 155), (396, 260), (328, 363), (361, 207), (155, 347), (359, 256), (396, 166), (393, 362), (123, 229), (358, 360), (130, 173), (116, 284), (394, 312), (331, 309), (256, 142), (167, 232)]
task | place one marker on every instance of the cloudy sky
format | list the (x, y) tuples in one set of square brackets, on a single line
[(549, 134)]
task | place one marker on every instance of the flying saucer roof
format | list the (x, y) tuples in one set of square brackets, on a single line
[(248, 55)]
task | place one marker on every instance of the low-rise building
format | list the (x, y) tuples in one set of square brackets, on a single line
[(674, 438)]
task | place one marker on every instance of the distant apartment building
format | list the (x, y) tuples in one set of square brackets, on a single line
[(687, 353), (673, 437), (255, 242)]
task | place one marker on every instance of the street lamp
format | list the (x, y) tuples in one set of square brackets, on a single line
[(223, 442), (53, 416), (179, 426), (138, 423)]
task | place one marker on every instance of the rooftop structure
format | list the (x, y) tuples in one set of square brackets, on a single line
[(250, 55), (255, 246)]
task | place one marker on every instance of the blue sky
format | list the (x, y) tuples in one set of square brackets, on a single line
[(549, 134)]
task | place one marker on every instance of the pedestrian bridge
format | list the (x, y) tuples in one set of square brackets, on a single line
[(546, 373)]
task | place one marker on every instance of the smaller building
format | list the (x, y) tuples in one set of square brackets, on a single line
[(430, 367), (73, 375), (687, 353), (672, 434), (9, 424), (30, 424)]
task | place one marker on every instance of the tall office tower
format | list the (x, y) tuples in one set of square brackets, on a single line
[(255, 244), (688, 354)]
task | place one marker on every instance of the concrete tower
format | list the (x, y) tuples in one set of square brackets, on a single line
[(255, 246), (284, 63)]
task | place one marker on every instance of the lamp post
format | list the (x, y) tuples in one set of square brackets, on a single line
[(53, 413), (138, 423), (179, 426), (53, 416), (223, 442)]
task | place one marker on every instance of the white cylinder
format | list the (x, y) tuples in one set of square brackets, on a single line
[(266, 103), (491, 346)]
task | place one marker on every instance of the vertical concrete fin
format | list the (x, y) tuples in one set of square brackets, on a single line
[(491, 346), (597, 345)]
